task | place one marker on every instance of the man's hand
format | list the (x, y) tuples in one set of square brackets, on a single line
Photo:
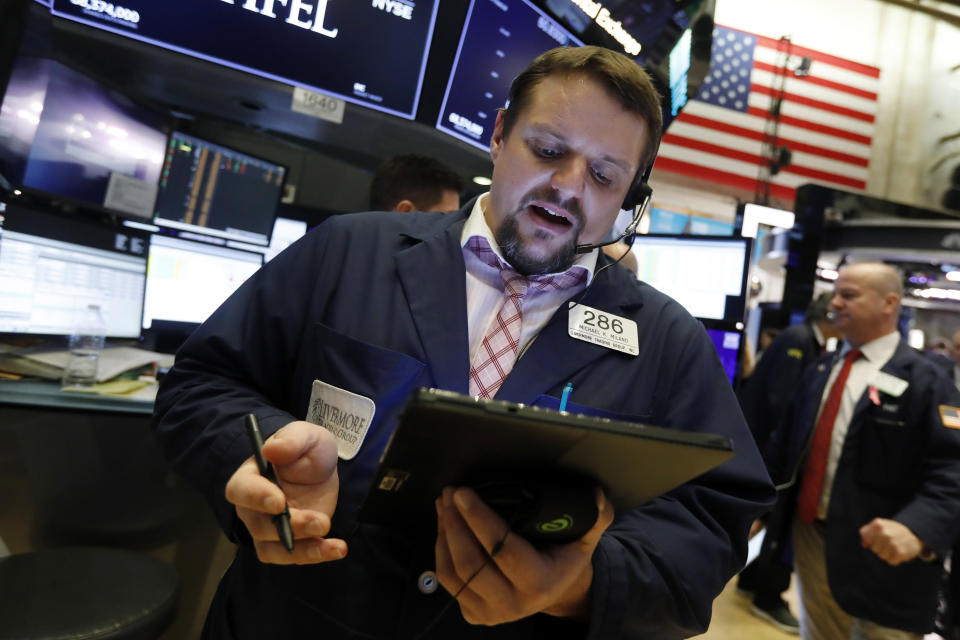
[(892, 541), (304, 457), (519, 580)]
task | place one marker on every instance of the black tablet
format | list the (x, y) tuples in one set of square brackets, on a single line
[(448, 439)]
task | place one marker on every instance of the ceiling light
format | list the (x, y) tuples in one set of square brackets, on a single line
[(483, 181)]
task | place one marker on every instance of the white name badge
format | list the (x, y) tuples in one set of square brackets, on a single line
[(343, 413), (890, 385), (603, 329)]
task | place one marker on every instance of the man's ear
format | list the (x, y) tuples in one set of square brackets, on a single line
[(404, 206), (496, 140), (892, 302)]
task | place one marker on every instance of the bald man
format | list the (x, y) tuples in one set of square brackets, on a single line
[(875, 449)]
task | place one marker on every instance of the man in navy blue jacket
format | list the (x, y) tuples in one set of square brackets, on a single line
[(368, 307), (877, 477)]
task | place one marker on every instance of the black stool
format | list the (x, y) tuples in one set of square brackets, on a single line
[(86, 593)]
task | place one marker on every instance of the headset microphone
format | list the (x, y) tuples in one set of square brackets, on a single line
[(636, 199)]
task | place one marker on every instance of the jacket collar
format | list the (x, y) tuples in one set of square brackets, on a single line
[(432, 275)]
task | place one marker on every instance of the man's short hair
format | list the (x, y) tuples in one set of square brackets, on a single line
[(419, 179), (623, 78), (819, 307)]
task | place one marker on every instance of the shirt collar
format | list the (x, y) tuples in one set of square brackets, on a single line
[(476, 225), (878, 350), (818, 335)]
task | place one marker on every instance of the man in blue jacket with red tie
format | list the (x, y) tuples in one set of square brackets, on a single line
[(368, 307), (875, 453)]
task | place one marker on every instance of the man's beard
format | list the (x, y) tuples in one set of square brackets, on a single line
[(512, 246)]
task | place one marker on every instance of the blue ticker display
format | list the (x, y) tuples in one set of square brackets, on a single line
[(370, 53)]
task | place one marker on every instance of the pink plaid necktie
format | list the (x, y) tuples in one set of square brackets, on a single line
[(498, 352)]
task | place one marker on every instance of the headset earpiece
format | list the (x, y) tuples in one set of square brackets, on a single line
[(636, 196)]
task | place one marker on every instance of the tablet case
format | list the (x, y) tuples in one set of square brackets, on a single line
[(449, 439)]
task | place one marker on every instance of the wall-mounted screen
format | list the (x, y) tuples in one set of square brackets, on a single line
[(706, 274), (52, 267), (727, 344), (499, 39), (679, 67), (218, 191), (65, 134), (285, 232), (187, 281), (371, 53)]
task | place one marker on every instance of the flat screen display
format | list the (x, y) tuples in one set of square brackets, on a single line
[(499, 39), (727, 344), (679, 64), (285, 232), (215, 190), (706, 274), (187, 281), (20, 116), (67, 135), (370, 52), (52, 267)]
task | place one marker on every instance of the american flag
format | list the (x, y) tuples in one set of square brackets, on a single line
[(950, 416), (827, 118)]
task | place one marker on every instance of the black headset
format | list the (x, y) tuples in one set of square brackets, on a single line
[(637, 199)]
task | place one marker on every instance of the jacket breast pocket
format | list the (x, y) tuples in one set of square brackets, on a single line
[(384, 376), (888, 449), (546, 401)]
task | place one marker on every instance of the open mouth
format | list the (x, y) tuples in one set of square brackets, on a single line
[(553, 219)]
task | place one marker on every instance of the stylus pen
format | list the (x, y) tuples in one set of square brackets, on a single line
[(282, 519), (567, 388)]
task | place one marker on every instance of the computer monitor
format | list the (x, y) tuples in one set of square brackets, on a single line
[(706, 274), (286, 231), (498, 41), (727, 344), (53, 266), (218, 191), (187, 281), (372, 53), (66, 135)]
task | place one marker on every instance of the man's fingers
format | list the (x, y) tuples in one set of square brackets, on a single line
[(302, 452), (465, 569), (248, 489), (310, 551), (305, 524), (605, 515), (467, 550)]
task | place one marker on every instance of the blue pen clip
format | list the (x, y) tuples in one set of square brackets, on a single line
[(567, 388)]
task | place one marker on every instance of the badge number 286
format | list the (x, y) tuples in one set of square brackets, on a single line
[(603, 329)]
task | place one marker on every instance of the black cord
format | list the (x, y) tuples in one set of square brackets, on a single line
[(496, 549), (629, 242)]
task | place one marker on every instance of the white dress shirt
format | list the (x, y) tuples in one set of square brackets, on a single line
[(485, 287), (875, 354)]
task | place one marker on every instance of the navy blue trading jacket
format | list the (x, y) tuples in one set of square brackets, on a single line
[(899, 461), (375, 303)]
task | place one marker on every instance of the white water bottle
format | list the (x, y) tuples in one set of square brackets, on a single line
[(86, 343)]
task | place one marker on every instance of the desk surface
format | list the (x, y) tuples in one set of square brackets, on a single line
[(34, 393)]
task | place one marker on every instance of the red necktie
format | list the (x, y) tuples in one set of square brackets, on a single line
[(816, 466), (498, 353)]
